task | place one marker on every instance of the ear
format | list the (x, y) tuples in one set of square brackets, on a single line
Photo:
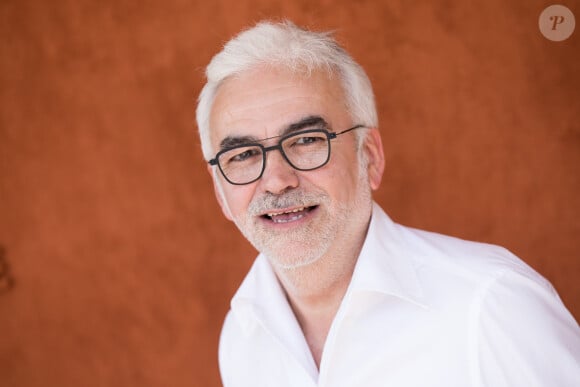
[(373, 148), (219, 193)]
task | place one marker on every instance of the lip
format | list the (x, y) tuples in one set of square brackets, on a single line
[(286, 211)]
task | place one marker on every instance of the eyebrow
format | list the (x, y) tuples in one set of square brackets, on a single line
[(307, 122)]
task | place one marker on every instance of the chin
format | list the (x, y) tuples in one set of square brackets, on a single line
[(294, 255), (291, 263)]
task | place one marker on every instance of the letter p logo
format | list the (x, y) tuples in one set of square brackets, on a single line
[(557, 23), (556, 20)]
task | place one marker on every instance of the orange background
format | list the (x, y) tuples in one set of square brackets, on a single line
[(121, 261)]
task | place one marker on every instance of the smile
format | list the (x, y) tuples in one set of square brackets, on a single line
[(289, 215)]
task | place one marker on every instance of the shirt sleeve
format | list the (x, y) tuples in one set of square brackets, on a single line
[(525, 336)]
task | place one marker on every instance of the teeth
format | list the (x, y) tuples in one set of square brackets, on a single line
[(272, 214), (292, 219)]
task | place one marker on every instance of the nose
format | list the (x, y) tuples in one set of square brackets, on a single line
[(278, 176)]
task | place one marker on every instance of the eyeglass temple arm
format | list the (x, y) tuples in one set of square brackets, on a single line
[(334, 135)]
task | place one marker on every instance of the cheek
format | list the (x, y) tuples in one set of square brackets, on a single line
[(238, 199), (336, 180), (344, 171)]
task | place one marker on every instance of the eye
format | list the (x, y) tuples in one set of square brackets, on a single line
[(242, 154), (308, 139)]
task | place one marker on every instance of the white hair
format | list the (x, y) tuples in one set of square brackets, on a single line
[(301, 51)]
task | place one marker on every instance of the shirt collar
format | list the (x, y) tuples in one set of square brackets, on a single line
[(260, 293), (386, 264)]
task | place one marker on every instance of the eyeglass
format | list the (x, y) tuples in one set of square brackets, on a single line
[(305, 150)]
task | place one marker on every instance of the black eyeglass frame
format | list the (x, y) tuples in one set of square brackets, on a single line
[(278, 146)]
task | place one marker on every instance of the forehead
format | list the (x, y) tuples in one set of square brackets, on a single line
[(262, 102)]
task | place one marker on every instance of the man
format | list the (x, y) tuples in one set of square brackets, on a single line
[(340, 295)]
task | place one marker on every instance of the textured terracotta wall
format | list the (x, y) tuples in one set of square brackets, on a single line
[(116, 265)]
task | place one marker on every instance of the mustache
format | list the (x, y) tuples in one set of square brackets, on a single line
[(269, 202)]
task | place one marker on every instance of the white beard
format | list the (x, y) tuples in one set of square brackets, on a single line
[(305, 245)]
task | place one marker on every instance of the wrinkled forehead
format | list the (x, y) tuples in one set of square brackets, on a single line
[(264, 102)]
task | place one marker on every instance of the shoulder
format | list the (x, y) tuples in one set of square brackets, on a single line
[(518, 329), (479, 264), (441, 255), (229, 344)]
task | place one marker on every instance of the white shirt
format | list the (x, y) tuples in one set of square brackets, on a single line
[(422, 309)]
